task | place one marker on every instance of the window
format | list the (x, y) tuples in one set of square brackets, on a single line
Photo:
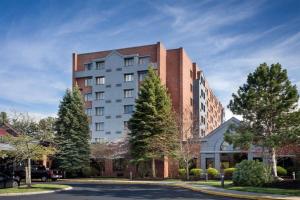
[(191, 101), (143, 60), (100, 80), (125, 125), (129, 61), (88, 82), (202, 94), (99, 140), (191, 73), (99, 65), (88, 112), (88, 97), (128, 77), (202, 107), (142, 75), (191, 87), (88, 66), (128, 93), (99, 111), (99, 126), (128, 109), (99, 95)]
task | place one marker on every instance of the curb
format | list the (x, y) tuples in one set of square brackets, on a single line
[(206, 191), (33, 193)]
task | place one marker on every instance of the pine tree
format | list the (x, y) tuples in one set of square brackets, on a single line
[(153, 132), (3, 118), (266, 102), (72, 138)]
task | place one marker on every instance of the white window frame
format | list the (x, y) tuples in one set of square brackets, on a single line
[(100, 65), (128, 93), (99, 111), (88, 97), (128, 77), (99, 126), (101, 94), (129, 61), (100, 80)]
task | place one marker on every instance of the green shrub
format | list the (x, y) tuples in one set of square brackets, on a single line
[(281, 171), (251, 173), (212, 172), (228, 172), (182, 172), (196, 171), (87, 172)]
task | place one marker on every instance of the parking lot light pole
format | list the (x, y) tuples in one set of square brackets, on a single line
[(222, 180)]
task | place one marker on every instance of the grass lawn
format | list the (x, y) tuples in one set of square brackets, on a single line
[(229, 186), (34, 188)]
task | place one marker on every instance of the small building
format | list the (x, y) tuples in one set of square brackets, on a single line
[(217, 153)]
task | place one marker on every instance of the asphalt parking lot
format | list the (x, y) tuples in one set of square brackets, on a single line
[(96, 191)]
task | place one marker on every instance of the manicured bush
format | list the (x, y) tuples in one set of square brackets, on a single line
[(228, 172), (251, 173), (196, 172), (182, 172), (212, 172), (281, 171)]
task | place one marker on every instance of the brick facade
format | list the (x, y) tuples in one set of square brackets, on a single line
[(176, 70)]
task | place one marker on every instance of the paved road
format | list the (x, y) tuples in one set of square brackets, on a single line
[(94, 191)]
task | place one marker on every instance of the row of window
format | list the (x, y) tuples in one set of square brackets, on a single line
[(127, 62), (128, 93), (99, 111), (99, 126), (100, 80)]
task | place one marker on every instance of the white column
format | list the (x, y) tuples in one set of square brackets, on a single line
[(217, 161), (250, 155), (203, 161)]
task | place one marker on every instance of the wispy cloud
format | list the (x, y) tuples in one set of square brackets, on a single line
[(226, 38)]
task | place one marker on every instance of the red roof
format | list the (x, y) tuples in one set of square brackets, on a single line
[(2, 132)]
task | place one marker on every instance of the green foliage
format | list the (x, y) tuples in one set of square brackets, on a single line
[(3, 118), (72, 135), (281, 171), (267, 103), (228, 172), (182, 172), (212, 172), (31, 143), (196, 172), (153, 132), (251, 173)]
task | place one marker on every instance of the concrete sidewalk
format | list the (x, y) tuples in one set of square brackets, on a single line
[(195, 187)]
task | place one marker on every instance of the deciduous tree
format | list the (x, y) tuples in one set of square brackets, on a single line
[(266, 102)]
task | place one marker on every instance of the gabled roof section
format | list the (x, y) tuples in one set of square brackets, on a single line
[(114, 52), (232, 120), (7, 129)]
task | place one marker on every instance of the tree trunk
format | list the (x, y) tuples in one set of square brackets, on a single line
[(153, 168), (274, 162), (28, 173), (187, 171)]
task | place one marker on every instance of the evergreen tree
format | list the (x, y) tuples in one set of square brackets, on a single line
[(3, 118), (267, 103), (153, 132), (72, 135)]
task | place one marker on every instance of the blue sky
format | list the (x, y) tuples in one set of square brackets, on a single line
[(228, 39)]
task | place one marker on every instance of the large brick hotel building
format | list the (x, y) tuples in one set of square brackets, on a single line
[(109, 81)]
